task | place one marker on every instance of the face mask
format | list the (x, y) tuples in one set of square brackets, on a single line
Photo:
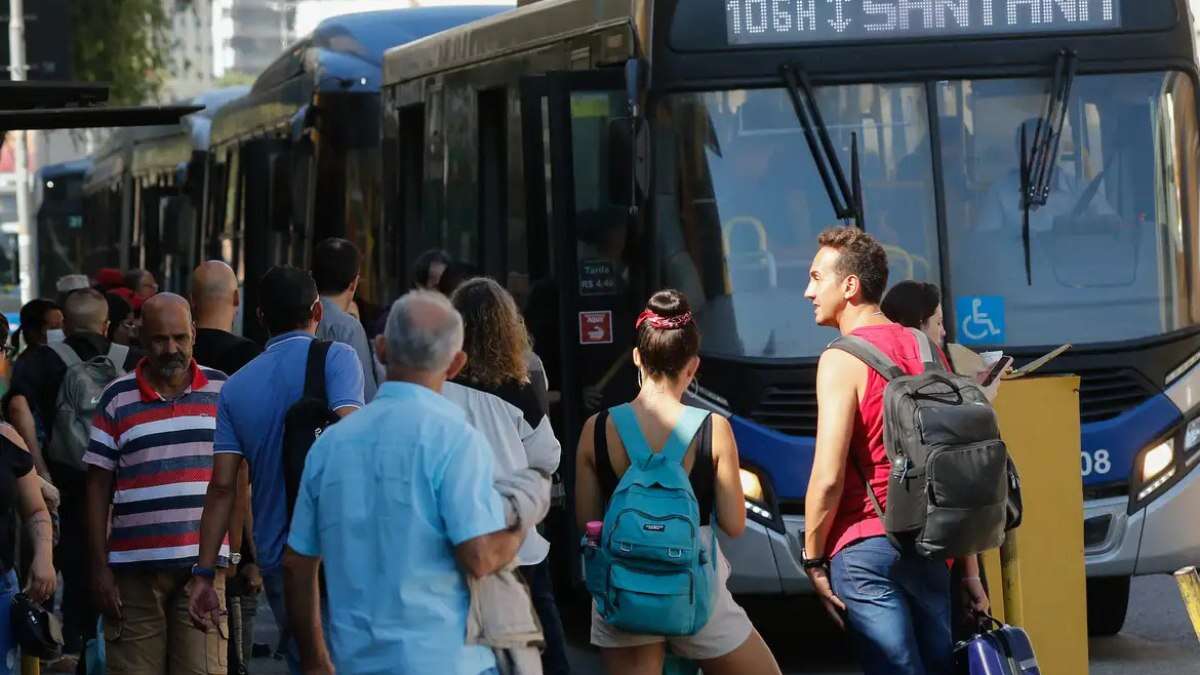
[(55, 335)]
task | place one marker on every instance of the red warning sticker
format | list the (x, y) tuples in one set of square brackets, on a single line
[(595, 328)]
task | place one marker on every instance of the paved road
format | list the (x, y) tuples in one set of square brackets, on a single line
[(1157, 640)]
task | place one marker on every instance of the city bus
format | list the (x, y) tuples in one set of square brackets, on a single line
[(62, 246), (297, 159), (142, 191), (1035, 158)]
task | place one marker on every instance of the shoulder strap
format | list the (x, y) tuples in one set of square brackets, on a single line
[(869, 354), (870, 490), (314, 374), (118, 354), (65, 353), (631, 434), (928, 350), (690, 421)]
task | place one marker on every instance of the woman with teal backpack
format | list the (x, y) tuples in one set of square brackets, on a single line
[(661, 476)]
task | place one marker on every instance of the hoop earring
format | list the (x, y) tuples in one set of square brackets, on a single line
[(640, 378), (694, 387)]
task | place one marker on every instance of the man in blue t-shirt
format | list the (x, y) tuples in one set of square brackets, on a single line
[(250, 422)]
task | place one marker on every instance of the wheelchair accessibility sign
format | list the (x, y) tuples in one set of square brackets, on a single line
[(980, 319)]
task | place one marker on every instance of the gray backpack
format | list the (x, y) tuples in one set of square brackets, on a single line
[(948, 487), (77, 399)]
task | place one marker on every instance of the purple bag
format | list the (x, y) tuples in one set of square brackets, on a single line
[(1002, 650)]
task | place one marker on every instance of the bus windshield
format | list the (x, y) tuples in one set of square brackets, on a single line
[(1113, 251), (751, 202)]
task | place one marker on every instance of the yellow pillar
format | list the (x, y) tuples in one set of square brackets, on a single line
[(30, 665), (1043, 579), (1189, 587)]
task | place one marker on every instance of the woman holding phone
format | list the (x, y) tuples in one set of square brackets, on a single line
[(917, 304)]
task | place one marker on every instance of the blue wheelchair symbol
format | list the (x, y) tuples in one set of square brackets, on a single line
[(980, 320)]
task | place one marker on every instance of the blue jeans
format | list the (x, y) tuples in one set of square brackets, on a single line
[(8, 644), (541, 591), (273, 587), (897, 608)]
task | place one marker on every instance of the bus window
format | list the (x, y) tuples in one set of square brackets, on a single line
[(1112, 251), (750, 205), (493, 178)]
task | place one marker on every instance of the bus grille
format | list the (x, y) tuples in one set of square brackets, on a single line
[(1105, 394), (789, 408)]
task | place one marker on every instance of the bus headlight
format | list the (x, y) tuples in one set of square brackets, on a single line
[(1191, 438), (1157, 468), (759, 502), (752, 487)]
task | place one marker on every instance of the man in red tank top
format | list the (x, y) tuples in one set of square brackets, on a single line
[(896, 605)]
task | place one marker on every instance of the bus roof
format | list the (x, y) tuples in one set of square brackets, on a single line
[(139, 149), (507, 33), (343, 54), (74, 167)]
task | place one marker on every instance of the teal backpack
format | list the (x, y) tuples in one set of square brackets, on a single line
[(651, 573)]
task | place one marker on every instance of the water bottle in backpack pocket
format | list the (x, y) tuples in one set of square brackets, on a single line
[(652, 572)]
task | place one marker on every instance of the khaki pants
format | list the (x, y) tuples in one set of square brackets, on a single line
[(156, 635)]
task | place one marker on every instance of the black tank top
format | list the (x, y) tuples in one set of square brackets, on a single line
[(703, 476)]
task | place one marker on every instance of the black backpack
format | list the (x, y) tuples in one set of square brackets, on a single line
[(306, 420), (949, 484)]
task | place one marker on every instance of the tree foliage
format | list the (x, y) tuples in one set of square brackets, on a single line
[(124, 43), (234, 77)]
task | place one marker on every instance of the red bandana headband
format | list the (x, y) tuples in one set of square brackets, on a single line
[(662, 322)]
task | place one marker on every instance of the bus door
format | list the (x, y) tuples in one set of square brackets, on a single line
[(584, 297)]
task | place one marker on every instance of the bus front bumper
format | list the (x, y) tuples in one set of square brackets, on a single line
[(765, 561), (1158, 539)]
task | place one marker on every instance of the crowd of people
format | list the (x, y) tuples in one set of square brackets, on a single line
[(382, 481)]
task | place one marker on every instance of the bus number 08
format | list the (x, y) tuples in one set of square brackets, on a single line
[(1098, 462)]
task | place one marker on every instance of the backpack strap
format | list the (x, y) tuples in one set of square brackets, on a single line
[(68, 355), (631, 434), (690, 421), (118, 354), (928, 351), (314, 373), (869, 354)]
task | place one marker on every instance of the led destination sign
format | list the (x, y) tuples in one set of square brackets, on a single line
[(803, 21)]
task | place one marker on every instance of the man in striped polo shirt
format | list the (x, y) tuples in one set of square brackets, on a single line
[(150, 458)]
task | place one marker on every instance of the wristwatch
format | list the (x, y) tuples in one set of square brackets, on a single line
[(235, 558), (206, 572), (813, 563)]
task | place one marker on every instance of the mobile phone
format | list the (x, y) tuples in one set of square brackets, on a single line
[(997, 369)]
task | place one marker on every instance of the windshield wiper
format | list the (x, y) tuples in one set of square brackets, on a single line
[(846, 198), (1037, 162)]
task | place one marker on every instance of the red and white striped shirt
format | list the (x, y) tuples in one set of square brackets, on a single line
[(161, 453)]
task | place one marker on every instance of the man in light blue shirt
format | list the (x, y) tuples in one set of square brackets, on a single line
[(397, 503)]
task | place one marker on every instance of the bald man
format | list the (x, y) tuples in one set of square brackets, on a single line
[(150, 460), (37, 378), (215, 301)]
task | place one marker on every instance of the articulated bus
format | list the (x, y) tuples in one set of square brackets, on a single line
[(62, 248), (1036, 158), (142, 191), (297, 159)]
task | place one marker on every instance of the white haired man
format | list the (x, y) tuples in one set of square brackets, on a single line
[(397, 504)]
